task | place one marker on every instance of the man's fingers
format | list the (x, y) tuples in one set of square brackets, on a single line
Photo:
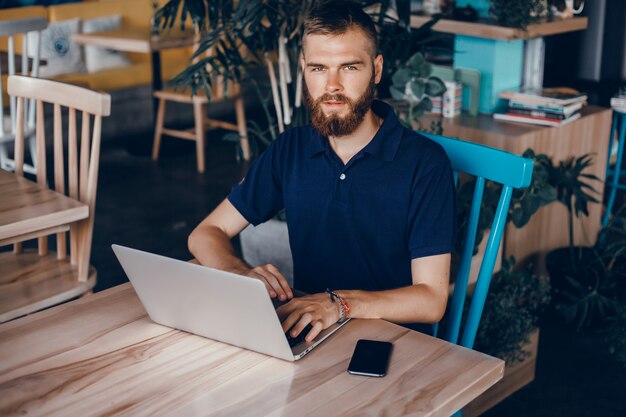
[(273, 281), (289, 322), (260, 277), (281, 280), (318, 326), (305, 319)]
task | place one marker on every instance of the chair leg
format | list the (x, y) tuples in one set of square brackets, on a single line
[(158, 129), (199, 125), (243, 128)]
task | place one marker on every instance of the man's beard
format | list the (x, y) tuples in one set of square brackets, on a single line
[(333, 124)]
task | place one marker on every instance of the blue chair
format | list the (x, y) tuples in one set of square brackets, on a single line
[(619, 126), (485, 164)]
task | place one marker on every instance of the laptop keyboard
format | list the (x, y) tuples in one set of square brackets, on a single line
[(293, 341)]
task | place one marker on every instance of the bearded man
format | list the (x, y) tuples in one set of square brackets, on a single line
[(369, 204)]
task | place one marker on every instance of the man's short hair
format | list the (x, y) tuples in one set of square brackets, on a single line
[(337, 17)]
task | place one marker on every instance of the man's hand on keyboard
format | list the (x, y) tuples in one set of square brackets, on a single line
[(274, 280), (316, 310)]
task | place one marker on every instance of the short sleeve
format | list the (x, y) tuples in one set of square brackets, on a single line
[(432, 212), (259, 195)]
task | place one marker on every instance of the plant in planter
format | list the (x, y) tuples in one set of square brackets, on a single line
[(585, 280), (518, 13), (512, 309), (414, 86), (508, 330)]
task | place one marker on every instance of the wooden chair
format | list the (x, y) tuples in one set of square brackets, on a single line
[(512, 172), (30, 281), (30, 60), (201, 122)]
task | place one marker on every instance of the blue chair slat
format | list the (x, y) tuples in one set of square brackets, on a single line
[(486, 269), (619, 125), (462, 277)]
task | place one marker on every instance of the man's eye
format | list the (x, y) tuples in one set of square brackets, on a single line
[(317, 69), (350, 67)]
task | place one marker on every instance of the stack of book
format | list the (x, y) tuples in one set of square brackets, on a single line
[(450, 103), (548, 107), (618, 102)]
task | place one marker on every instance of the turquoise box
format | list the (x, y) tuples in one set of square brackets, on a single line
[(500, 63)]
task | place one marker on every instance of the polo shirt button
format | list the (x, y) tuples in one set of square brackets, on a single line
[(342, 177)]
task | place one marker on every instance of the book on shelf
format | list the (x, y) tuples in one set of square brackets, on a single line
[(619, 103), (538, 113), (520, 118), (547, 96), (562, 110)]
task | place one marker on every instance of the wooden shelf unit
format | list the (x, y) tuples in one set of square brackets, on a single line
[(490, 31)]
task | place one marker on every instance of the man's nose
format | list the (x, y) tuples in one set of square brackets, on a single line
[(333, 84)]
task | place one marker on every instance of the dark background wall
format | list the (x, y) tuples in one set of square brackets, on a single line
[(593, 60)]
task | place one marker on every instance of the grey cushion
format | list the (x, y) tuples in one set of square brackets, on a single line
[(62, 55)]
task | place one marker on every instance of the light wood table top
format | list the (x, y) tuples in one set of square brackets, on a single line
[(101, 355), (135, 39), (27, 207)]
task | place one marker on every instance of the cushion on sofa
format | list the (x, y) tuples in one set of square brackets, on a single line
[(61, 54), (96, 58)]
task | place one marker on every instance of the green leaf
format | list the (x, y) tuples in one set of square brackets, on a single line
[(396, 93), (425, 69), (416, 61), (435, 87), (417, 88), (401, 77)]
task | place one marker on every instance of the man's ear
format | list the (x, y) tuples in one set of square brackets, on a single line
[(378, 68)]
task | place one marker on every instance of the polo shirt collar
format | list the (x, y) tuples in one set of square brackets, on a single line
[(385, 143)]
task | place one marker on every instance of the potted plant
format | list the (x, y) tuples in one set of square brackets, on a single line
[(412, 89), (508, 330), (581, 276), (518, 13)]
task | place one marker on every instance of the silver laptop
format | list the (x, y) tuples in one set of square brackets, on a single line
[(219, 305)]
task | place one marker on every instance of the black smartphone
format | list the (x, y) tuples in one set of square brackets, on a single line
[(370, 358)]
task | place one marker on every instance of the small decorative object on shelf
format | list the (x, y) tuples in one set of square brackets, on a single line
[(618, 101), (566, 9), (547, 107)]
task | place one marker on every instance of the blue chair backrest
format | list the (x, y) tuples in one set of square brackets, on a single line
[(484, 163)]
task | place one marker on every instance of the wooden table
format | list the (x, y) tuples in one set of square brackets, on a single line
[(547, 230), (27, 208), (101, 355), (138, 40)]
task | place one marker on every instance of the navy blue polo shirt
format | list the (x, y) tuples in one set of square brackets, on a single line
[(358, 225)]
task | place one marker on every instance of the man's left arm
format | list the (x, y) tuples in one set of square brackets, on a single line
[(423, 302)]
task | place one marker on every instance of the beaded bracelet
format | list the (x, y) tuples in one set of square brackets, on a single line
[(343, 306)]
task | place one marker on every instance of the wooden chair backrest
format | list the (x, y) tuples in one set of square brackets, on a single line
[(82, 159)]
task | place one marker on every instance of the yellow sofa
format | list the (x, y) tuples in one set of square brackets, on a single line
[(129, 86)]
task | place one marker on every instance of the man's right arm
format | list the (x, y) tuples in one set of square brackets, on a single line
[(210, 245)]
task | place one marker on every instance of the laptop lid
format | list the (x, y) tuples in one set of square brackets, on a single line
[(219, 305)]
